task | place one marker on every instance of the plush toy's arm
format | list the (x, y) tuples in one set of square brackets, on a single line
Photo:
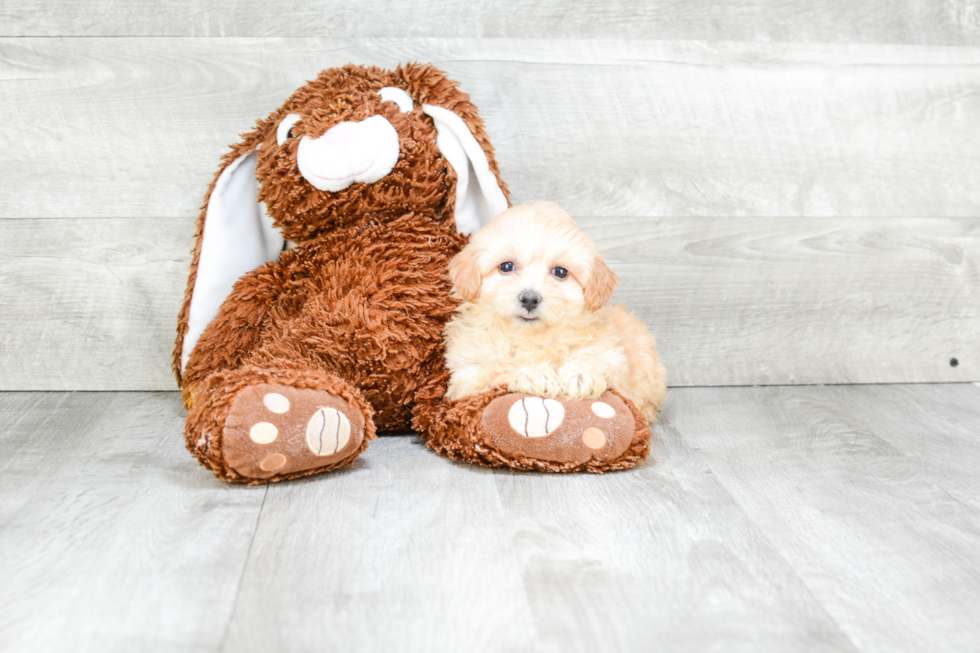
[(237, 329)]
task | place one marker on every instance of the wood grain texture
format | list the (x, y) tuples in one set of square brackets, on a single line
[(409, 551), (867, 523), (768, 519), (401, 552), (789, 301), (127, 127), (113, 538), (937, 428), (92, 303), (839, 21), (659, 557)]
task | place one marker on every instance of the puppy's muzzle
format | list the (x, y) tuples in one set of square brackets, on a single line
[(529, 300)]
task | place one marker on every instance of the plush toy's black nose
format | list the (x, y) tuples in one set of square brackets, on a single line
[(529, 300)]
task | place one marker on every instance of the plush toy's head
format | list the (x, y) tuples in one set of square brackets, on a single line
[(322, 154), (356, 143)]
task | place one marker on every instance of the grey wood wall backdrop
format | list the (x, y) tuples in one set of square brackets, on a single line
[(788, 192)]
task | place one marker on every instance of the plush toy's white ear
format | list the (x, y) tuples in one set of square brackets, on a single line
[(238, 237), (478, 196)]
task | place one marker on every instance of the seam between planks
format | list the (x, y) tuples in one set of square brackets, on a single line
[(241, 576), (791, 568)]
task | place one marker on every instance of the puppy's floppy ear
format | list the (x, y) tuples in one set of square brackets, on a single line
[(601, 285), (464, 272)]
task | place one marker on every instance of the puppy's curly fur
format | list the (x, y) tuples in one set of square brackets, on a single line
[(533, 318)]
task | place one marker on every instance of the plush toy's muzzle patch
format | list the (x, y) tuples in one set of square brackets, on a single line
[(349, 152)]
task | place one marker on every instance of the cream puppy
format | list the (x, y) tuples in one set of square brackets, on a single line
[(533, 318)]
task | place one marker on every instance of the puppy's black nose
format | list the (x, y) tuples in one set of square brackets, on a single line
[(529, 300)]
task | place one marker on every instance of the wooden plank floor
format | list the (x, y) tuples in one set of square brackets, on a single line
[(838, 518)]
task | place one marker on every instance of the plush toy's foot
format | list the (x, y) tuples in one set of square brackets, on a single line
[(276, 430), (560, 431), (253, 425), (520, 431)]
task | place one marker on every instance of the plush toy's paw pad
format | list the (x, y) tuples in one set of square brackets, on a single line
[(563, 431), (534, 417), (275, 430), (327, 432)]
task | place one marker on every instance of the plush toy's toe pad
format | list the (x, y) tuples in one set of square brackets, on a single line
[(560, 431), (275, 430)]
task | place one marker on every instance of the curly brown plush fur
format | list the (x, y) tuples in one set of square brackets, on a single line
[(421, 182), (456, 429), (214, 401), (357, 309), (367, 302)]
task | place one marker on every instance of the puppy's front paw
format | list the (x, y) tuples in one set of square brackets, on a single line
[(538, 381), (579, 383)]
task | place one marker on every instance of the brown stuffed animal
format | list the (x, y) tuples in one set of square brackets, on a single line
[(319, 289)]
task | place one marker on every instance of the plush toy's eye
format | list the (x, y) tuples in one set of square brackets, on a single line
[(507, 267), (399, 97), (285, 129), (561, 273)]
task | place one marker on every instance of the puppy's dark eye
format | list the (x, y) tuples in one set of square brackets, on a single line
[(561, 273), (290, 133), (507, 267)]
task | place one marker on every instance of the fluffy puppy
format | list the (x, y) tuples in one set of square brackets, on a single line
[(533, 318)]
